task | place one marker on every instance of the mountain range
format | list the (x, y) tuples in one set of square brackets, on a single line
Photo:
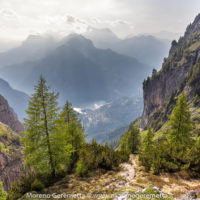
[(80, 72), (85, 69), (145, 48)]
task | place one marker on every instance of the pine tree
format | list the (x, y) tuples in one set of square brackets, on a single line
[(181, 124), (3, 194), (74, 131), (147, 150), (123, 144), (134, 139), (81, 168), (180, 135), (68, 113), (95, 157), (130, 141), (45, 149), (148, 141)]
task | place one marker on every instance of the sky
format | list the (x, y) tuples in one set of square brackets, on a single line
[(20, 18)]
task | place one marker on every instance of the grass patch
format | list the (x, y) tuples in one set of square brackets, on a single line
[(194, 46)]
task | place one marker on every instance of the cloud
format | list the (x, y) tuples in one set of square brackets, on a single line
[(9, 15), (9, 23), (19, 18)]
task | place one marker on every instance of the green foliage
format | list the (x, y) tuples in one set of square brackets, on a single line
[(130, 141), (148, 141), (180, 134), (72, 129), (3, 194), (162, 159), (181, 124), (194, 46), (136, 123), (45, 150), (37, 185), (147, 150), (69, 114), (21, 187), (174, 151), (93, 156), (2, 148), (194, 155), (81, 169)]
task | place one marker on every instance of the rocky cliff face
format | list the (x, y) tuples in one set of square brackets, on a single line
[(11, 166), (8, 117), (179, 73)]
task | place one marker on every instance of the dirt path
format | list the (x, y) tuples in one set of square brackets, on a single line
[(128, 174), (129, 170)]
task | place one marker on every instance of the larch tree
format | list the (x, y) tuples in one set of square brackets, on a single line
[(130, 141), (180, 134), (147, 150), (181, 123), (45, 150), (74, 131)]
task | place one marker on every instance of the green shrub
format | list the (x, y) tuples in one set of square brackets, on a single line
[(3, 194), (93, 156), (37, 185), (81, 169), (2, 148), (21, 187)]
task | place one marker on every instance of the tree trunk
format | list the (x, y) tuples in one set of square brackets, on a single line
[(48, 141)]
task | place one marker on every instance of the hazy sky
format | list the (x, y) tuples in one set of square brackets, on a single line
[(19, 18)]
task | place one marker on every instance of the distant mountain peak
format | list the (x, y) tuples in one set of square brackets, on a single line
[(101, 34), (77, 41)]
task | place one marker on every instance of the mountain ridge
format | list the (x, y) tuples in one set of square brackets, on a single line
[(33, 48), (16, 99), (145, 48), (8, 117)]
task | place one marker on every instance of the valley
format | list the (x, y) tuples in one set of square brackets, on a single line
[(91, 115)]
